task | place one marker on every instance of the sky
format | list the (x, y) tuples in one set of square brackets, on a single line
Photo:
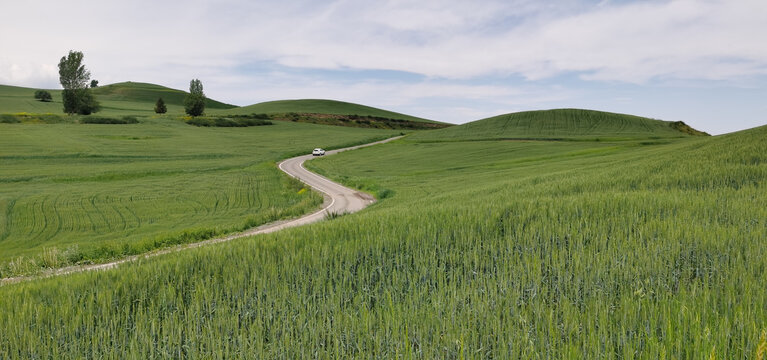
[(703, 62)]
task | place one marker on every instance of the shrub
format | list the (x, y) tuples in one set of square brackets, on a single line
[(108, 120), (226, 122), (160, 107), (8, 119), (194, 103), (43, 96)]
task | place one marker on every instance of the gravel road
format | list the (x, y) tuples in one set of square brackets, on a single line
[(338, 199)]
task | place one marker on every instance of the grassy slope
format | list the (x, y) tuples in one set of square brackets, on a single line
[(558, 124), (132, 98), (14, 99), (320, 107), (482, 249), (133, 92), (92, 189), (128, 98)]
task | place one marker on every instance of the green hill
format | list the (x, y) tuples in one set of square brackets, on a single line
[(561, 124), (135, 92), (127, 98), (16, 99), (315, 106)]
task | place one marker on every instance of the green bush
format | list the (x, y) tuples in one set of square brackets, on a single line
[(43, 96), (8, 119), (227, 122), (108, 120)]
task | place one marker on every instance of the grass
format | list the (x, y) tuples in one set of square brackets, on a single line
[(563, 124), (481, 249), (555, 234), (91, 192)]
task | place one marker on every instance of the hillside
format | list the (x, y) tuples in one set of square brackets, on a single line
[(16, 99), (315, 106), (148, 93), (116, 99), (561, 124)]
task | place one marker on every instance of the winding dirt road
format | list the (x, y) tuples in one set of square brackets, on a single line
[(338, 199)]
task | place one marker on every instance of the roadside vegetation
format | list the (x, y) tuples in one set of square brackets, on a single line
[(633, 243)]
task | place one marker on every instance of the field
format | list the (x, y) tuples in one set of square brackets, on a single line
[(640, 244), (76, 193)]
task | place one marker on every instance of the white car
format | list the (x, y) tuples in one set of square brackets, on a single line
[(318, 152)]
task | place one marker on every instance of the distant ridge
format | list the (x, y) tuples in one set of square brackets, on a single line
[(563, 124), (320, 106)]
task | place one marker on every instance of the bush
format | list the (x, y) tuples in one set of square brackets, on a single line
[(226, 122), (160, 107), (108, 120), (8, 119), (79, 101), (43, 96)]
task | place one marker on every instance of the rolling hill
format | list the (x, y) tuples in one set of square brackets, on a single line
[(316, 106), (127, 98), (144, 93), (135, 98), (562, 124)]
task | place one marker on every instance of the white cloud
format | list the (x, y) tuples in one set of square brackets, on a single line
[(448, 39)]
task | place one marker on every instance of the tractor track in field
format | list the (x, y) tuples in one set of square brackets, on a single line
[(338, 199)]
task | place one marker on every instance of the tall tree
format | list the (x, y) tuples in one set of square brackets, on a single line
[(74, 77), (194, 103)]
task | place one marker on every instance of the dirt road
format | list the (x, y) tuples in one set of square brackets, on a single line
[(338, 199)]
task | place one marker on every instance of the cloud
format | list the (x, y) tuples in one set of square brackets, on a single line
[(634, 42)]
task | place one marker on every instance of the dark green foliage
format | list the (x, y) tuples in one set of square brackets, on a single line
[(8, 119), (194, 104), (73, 76), (72, 73), (160, 107), (94, 84), (227, 122), (108, 120), (682, 127), (363, 121), (79, 101), (43, 96), (29, 118)]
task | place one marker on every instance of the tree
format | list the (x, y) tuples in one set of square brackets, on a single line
[(160, 107), (194, 103), (94, 84), (74, 78), (43, 96)]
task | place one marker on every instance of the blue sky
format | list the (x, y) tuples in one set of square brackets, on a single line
[(702, 62)]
